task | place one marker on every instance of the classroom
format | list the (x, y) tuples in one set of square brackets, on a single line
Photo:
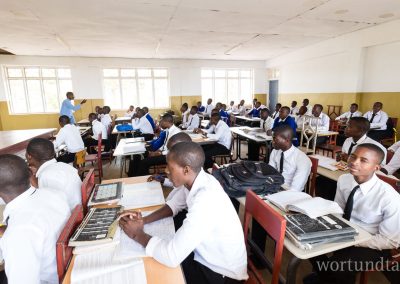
[(184, 141)]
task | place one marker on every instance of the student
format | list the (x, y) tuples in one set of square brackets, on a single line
[(353, 112), (208, 108), (241, 108), (97, 128), (373, 205), (224, 115), (299, 119), (255, 112), (34, 219), (254, 103), (285, 119), (48, 173), (185, 113), (200, 108), (394, 163), (309, 107), (378, 119), (141, 167), (323, 122), (149, 118), (294, 110), (266, 123), (67, 108), (106, 119), (142, 123), (276, 112), (231, 108), (100, 113), (130, 112), (193, 120), (210, 244), (70, 136), (219, 131)]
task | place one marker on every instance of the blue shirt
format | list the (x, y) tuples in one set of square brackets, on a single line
[(151, 120), (201, 109), (67, 108), (288, 121), (159, 142), (255, 112)]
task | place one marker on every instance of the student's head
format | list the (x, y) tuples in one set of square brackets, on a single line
[(184, 162), (377, 107), (278, 106), (254, 101), (218, 105), (241, 102), (294, 103), (100, 110), (106, 109), (284, 112), (231, 103), (365, 161), (70, 95), (167, 121), (137, 109), (357, 127), (306, 102), (353, 108), (214, 110), (198, 104), (282, 137), (317, 109), (209, 101), (264, 113), (38, 151), (223, 106), (302, 110), (194, 110), (96, 109), (131, 108), (63, 120), (92, 117), (146, 110), (14, 177), (215, 117), (184, 107), (258, 104), (178, 138), (140, 113)]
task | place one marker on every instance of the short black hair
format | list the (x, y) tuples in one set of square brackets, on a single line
[(286, 107), (41, 149), (141, 111), (107, 109), (278, 104), (195, 108), (374, 148), (354, 104), (188, 154), (145, 109), (285, 131), (216, 115), (92, 115), (266, 110), (14, 173), (64, 119), (362, 123), (178, 138), (319, 106), (168, 118)]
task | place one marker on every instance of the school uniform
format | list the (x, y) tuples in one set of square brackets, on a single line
[(97, 128), (254, 147), (378, 124), (323, 125), (287, 121), (347, 115), (201, 109), (255, 112), (193, 122), (185, 117), (275, 114), (106, 120), (210, 243), (394, 163), (349, 145), (222, 134), (242, 109), (34, 221), (71, 137), (293, 111), (144, 126), (208, 109), (63, 179), (309, 110), (151, 120)]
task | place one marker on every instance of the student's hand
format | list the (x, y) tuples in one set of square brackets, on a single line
[(269, 132), (343, 157), (2, 230), (156, 177), (132, 227), (196, 130), (155, 154), (83, 101)]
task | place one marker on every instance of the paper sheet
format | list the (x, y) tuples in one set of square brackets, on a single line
[(142, 195), (326, 162)]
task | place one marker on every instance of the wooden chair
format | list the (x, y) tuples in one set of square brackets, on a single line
[(387, 142), (274, 224), (224, 158), (331, 146), (389, 156), (96, 159), (63, 251), (310, 187), (86, 189), (308, 136)]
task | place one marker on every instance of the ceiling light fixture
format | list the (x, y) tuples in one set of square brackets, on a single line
[(62, 42), (158, 46)]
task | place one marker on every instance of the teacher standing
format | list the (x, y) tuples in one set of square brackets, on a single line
[(67, 108)]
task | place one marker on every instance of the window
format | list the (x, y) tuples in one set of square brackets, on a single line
[(136, 86), (225, 85), (36, 89)]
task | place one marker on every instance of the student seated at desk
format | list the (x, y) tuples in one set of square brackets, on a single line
[(219, 131), (106, 119), (48, 173), (231, 108), (266, 123), (141, 123), (149, 118), (224, 115), (210, 244), (275, 114), (34, 219), (255, 112), (193, 119), (285, 119), (294, 110), (299, 118), (97, 128), (70, 136), (373, 205), (378, 119), (200, 108), (323, 122), (185, 114), (130, 112), (309, 107), (394, 163), (353, 112), (241, 108)]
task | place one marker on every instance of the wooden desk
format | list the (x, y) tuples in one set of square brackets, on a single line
[(122, 119), (14, 141), (155, 271), (84, 122), (245, 132)]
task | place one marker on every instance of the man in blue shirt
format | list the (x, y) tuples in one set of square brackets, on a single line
[(67, 108), (255, 112), (285, 118), (149, 118)]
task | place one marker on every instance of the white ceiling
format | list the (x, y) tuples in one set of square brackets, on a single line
[(199, 29)]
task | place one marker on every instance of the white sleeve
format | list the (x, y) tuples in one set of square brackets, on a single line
[(339, 196), (395, 146), (178, 201), (60, 138), (394, 163), (382, 122), (301, 174)]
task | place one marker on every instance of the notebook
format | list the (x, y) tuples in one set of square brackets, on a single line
[(106, 193)]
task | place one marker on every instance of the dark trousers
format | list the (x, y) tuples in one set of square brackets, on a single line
[(253, 150), (378, 135), (179, 218), (211, 150), (89, 141), (3, 277), (138, 167), (66, 158), (197, 273), (343, 265), (325, 188)]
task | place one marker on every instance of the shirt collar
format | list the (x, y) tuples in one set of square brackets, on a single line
[(198, 183), (289, 151), (282, 120), (95, 122), (18, 202), (362, 139), (366, 186), (44, 166)]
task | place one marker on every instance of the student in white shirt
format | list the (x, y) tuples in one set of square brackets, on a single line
[(209, 246), (48, 173), (106, 119), (266, 124), (294, 109), (353, 112), (299, 118), (193, 121), (323, 122), (142, 124), (185, 114), (208, 108), (309, 107), (241, 108), (34, 219), (97, 129), (130, 112), (70, 136), (394, 163), (378, 119), (276, 112), (219, 131), (373, 205), (232, 108)]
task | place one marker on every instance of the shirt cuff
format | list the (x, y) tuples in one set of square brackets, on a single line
[(172, 207), (151, 245)]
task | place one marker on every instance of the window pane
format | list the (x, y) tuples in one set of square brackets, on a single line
[(160, 72), (129, 96), (112, 96), (32, 72), (161, 93), (110, 72), (206, 89), (35, 96), (47, 72), (233, 73), (18, 100), (245, 73), (219, 73), (65, 86), (233, 90), (145, 93), (127, 72), (144, 72), (245, 90), (220, 91), (64, 73), (51, 96), (14, 72), (206, 73)]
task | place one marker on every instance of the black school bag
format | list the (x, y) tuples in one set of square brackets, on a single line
[(260, 177)]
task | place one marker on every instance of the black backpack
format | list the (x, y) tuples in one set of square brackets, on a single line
[(260, 177)]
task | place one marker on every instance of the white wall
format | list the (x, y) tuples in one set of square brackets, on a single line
[(87, 72)]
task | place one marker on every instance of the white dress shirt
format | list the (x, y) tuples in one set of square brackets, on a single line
[(348, 115), (293, 111), (169, 133), (242, 110), (142, 124), (299, 121), (185, 116), (380, 120), (106, 120), (212, 230), (62, 178), (323, 122), (208, 109), (275, 114), (98, 128), (296, 167), (394, 163), (35, 219), (363, 140), (71, 137), (309, 110), (222, 134), (267, 123), (193, 122), (129, 113), (376, 209)]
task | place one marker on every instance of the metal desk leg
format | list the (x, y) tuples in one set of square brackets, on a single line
[(121, 166), (292, 270)]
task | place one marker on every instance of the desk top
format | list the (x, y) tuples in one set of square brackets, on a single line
[(255, 134), (119, 151), (83, 121), (199, 139), (115, 131), (248, 118), (123, 118)]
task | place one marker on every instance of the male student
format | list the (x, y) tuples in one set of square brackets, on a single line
[(70, 136), (394, 163), (285, 119), (224, 114), (67, 108), (185, 114), (48, 173), (299, 119), (97, 129), (266, 123), (142, 123), (193, 119), (210, 244), (255, 112), (309, 107), (208, 108), (294, 109), (130, 112), (231, 108), (370, 203), (241, 108), (106, 119), (34, 219), (378, 119), (353, 112), (276, 112), (149, 118), (200, 108), (322, 122), (219, 131)]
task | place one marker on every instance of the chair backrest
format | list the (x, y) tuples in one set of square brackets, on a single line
[(333, 126), (63, 251), (395, 183), (309, 132), (273, 223), (313, 176), (389, 156), (86, 188)]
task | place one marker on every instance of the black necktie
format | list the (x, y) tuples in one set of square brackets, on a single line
[(265, 121), (351, 148), (351, 115), (349, 204), (281, 163), (372, 117)]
